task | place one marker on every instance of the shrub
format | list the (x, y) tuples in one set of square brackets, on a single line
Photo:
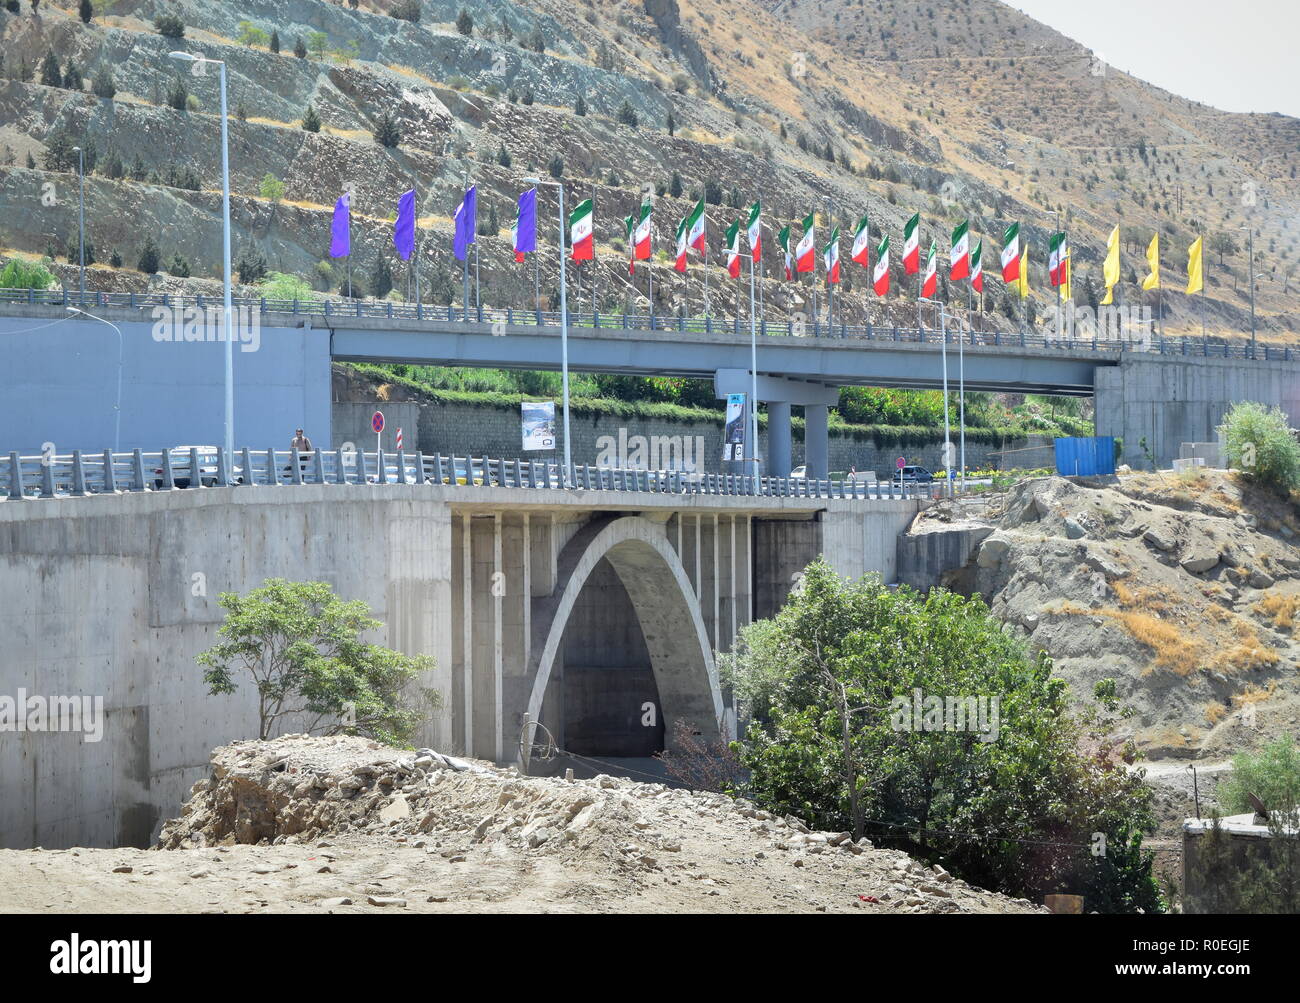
[(310, 120), (1260, 443), (387, 133), (169, 26), (465, 22), (834, 685), (271, 188), (104, 85), (149, 257), (19, 274)]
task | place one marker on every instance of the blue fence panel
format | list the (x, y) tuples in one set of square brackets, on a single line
[(1088, 456)]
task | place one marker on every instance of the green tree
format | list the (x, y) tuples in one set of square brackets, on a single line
[(310, 120), (386, 131), (503, 156), (675, 186), (149, 257), (834, 686), (300, 49), (381, 279), (59, 152), (51, 76), (275, 41), (465, 22), (407, 10), (251, 34), (104, 86), (317, 41), (556, 166), (580, 106), (19, 274), (1259, 442), (72, 77), (1272, 775), (169, 26), (271, 188), (627, 115), (86, 11), (303, 647), (178, 96)]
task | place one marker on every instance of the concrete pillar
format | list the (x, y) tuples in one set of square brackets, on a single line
[(817, 441), (467, 629), (778, 439)]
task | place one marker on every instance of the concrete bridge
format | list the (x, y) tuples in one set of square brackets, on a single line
[(597, 612), (56, 388)]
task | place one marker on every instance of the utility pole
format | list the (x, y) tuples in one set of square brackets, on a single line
[(81, 228)]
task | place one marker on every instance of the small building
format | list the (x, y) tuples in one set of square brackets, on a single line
[(1248, 842)]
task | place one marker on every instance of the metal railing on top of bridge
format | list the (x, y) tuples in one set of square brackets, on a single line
[(386, 309), (77, 474)]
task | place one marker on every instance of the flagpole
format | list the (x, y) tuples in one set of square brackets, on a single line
[(753, 370), (961, 403), (920, 279), (830, 286), (349, 244), (947, 425), (464, 185)]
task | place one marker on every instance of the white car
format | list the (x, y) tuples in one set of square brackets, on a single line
[(799, 473), (181, 473)]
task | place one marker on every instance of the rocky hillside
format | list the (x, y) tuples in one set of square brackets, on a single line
[(887, 107), (1183, 588)]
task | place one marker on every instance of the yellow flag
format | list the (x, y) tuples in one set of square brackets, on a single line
[(1110, 270), (1066, 292), (1152, 281), (1195, 273), (1022, 283)]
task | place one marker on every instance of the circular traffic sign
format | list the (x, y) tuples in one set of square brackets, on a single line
[(377, 422), (901, 462)]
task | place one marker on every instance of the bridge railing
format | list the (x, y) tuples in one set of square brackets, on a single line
[(78, 473), (1208, 347)]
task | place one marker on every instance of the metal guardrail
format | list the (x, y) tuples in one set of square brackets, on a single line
[(78, 474), (1204, 347)]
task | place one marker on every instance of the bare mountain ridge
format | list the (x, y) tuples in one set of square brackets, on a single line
[(729, 97)]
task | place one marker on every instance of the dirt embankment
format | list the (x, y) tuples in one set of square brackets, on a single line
[(344, 825), (1183, 588)]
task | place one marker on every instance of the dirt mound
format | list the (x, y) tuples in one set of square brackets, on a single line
[(603, 844), (1181, 587)]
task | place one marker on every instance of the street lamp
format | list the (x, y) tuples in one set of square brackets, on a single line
[(564, 326), (1250, 263), (81, 227), (117, 408), (186, 57)]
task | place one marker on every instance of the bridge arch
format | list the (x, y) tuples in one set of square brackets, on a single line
[(666, 607)]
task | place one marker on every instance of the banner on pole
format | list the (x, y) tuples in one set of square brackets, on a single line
[(733, 436), (538, 425)]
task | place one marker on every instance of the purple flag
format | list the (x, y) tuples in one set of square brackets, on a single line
[(526, 227), (404, 229), (341, 231), (466, 222)]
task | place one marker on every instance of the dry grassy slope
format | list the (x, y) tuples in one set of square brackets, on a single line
[(1183, 588), (728, 71)]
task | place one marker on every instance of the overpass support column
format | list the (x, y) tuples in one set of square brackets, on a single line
[(778, 439), (816, 439)]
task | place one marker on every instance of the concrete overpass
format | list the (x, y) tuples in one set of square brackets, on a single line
[(597, 612), (1176, 391)]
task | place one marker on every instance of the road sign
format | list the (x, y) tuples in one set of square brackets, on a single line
[(399, 438), (901, 462), (949, 455), (377, 422)]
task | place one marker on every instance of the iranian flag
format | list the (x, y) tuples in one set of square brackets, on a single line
[(862, 244), (755, 229), (977, 267), (960, 256), (880, 277), (1056, 252), (695, 227), (581, 236), (783, 238), (1011, 253), (733, 250), (683, 228), (805, 254), (912, 245), (642, 233), (931, 284), (831, 257)]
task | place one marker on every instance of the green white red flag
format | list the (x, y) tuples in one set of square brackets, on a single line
[(862, 244), (977, 267), (755, 229), (695, 227), (733, 250), (912, 245), (683, 230), (959, 258), (641, 236), (1056, 252), (931, 284), (783, 238), (880, 276), (831, 258), (1011, 253), (805, 253), (581, 235)]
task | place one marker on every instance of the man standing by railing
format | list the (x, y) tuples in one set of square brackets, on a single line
[(300, 442)]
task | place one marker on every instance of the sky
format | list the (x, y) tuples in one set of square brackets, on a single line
[(1238, 56)]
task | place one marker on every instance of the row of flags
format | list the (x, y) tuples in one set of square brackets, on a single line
[(964, 262)]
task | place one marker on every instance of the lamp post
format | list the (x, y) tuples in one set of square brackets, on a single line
[(117, 408), (1250, 263), (81, 225), (229, 330), (564, 326)]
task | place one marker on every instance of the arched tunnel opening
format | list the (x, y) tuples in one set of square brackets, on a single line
[(608, 698)]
